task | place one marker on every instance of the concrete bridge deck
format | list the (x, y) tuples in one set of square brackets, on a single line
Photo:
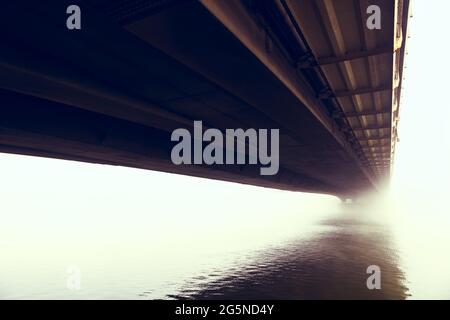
[(113, 91)]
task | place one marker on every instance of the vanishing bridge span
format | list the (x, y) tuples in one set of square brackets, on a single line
[(113, 91)]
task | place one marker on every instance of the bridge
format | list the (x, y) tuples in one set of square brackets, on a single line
[(113, 91)]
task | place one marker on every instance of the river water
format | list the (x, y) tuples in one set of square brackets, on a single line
[(77, 231), (329, 263), (325, 260)]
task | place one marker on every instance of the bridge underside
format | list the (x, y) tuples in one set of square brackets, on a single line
[(114, 91)]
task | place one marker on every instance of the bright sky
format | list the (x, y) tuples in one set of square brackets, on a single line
[(420, 183), (422, 164)]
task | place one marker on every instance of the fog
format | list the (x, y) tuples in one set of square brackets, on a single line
[(129, 229)]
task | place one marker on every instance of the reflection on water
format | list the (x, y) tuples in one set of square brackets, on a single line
[(130, 240), (216, 241), (330, 264), (323, 260)]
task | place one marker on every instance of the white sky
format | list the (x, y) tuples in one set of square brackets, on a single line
[(420, 182), (423, 154)]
